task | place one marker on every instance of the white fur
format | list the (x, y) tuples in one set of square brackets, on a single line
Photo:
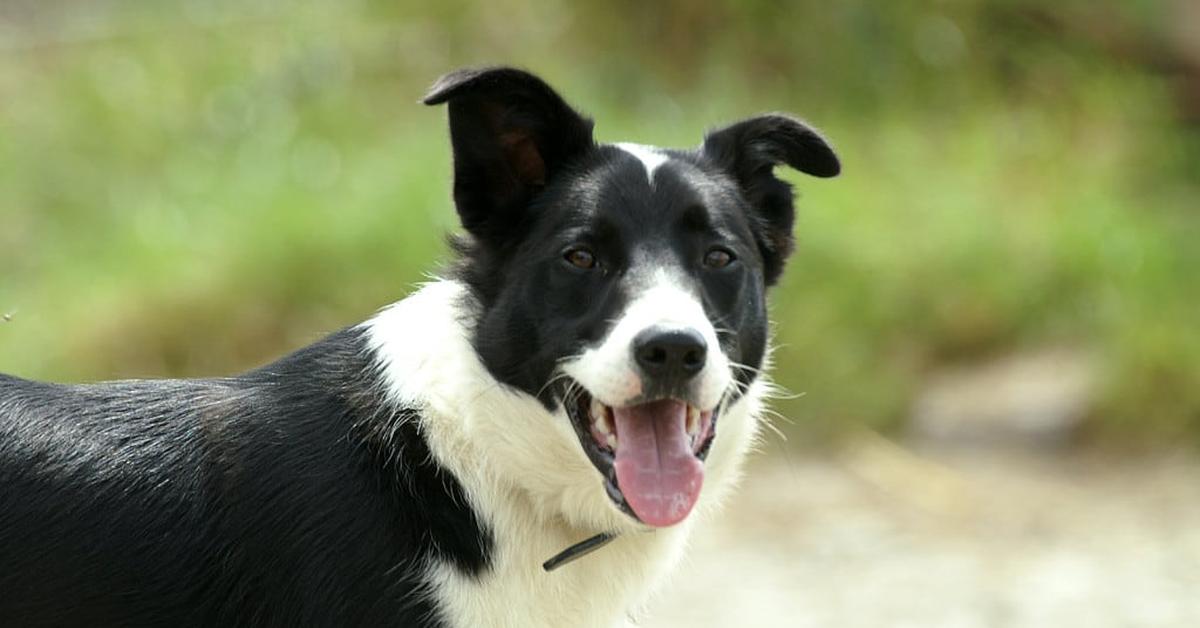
[(651, 156), (608, 370), (525, 473)]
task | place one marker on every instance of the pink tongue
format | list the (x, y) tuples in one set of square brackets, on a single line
[(657, 472)]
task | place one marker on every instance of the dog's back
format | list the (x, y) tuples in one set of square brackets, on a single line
[(103, 488), (275, 498)]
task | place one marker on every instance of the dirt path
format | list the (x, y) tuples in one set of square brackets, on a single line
[(877, 537)]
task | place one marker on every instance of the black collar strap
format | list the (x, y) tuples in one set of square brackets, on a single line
[(578, 550)]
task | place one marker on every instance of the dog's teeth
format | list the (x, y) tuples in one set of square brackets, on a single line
[(600, 418), (611, 440), (604, 425), (693, 421), (597, 410)]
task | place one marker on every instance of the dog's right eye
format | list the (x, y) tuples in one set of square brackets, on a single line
[(581, 258), (718, 258)]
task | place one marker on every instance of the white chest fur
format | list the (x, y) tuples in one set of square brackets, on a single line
[(526, 475), (597, 591)]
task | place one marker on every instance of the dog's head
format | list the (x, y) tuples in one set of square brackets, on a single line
[(622, 285)]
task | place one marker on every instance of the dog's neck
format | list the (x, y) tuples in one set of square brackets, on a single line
[(524, 474)]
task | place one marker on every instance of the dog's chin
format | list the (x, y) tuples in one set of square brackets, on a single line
[(649, 455)]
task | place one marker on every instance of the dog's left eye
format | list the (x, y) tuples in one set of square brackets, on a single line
[(581, 258), (718, 258)]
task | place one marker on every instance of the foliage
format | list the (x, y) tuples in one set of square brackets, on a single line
[(189, 189)]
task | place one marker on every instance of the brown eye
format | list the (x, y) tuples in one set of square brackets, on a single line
[(718, 258), (581, 258)]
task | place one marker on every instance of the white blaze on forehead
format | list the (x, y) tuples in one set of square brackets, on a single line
[(651, 157)]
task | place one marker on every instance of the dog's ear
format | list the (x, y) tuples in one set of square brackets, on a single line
[(749, 151), (510, 134)]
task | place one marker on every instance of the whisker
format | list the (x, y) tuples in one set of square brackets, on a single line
[(771, 426), (561, 375), (777, 415), (724, 330), (745, 367)]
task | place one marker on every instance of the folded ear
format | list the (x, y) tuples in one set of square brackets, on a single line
[(748, 151), (510, 134)]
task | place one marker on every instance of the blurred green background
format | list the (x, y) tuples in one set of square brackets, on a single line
[(192, 188)]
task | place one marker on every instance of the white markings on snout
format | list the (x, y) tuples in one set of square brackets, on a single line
[(608, 371)]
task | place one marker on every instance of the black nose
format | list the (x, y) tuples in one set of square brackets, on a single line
[(670, 354)]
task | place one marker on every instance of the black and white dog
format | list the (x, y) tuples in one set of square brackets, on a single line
[(588, 370)]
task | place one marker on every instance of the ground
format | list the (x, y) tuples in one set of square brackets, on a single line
[(880, 536)]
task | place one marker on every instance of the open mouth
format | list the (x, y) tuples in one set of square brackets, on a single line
[(650, 454)]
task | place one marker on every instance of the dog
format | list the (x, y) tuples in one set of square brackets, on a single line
[(588, 373)]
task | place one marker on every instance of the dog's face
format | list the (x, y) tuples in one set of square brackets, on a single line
[(623, 286)]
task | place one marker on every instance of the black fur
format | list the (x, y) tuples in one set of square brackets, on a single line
[(749, 151), (294, 495), (511, 133)]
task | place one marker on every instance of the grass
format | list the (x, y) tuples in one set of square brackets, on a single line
[(192, 196)]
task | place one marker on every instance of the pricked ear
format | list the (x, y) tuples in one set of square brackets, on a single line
[(511, 133), (749, 151)]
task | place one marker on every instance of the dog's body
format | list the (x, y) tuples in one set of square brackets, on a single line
[(417, 469)]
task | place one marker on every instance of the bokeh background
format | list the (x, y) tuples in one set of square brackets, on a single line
[(988, 332)]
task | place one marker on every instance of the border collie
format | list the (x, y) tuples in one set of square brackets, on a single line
[(589, 373)]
